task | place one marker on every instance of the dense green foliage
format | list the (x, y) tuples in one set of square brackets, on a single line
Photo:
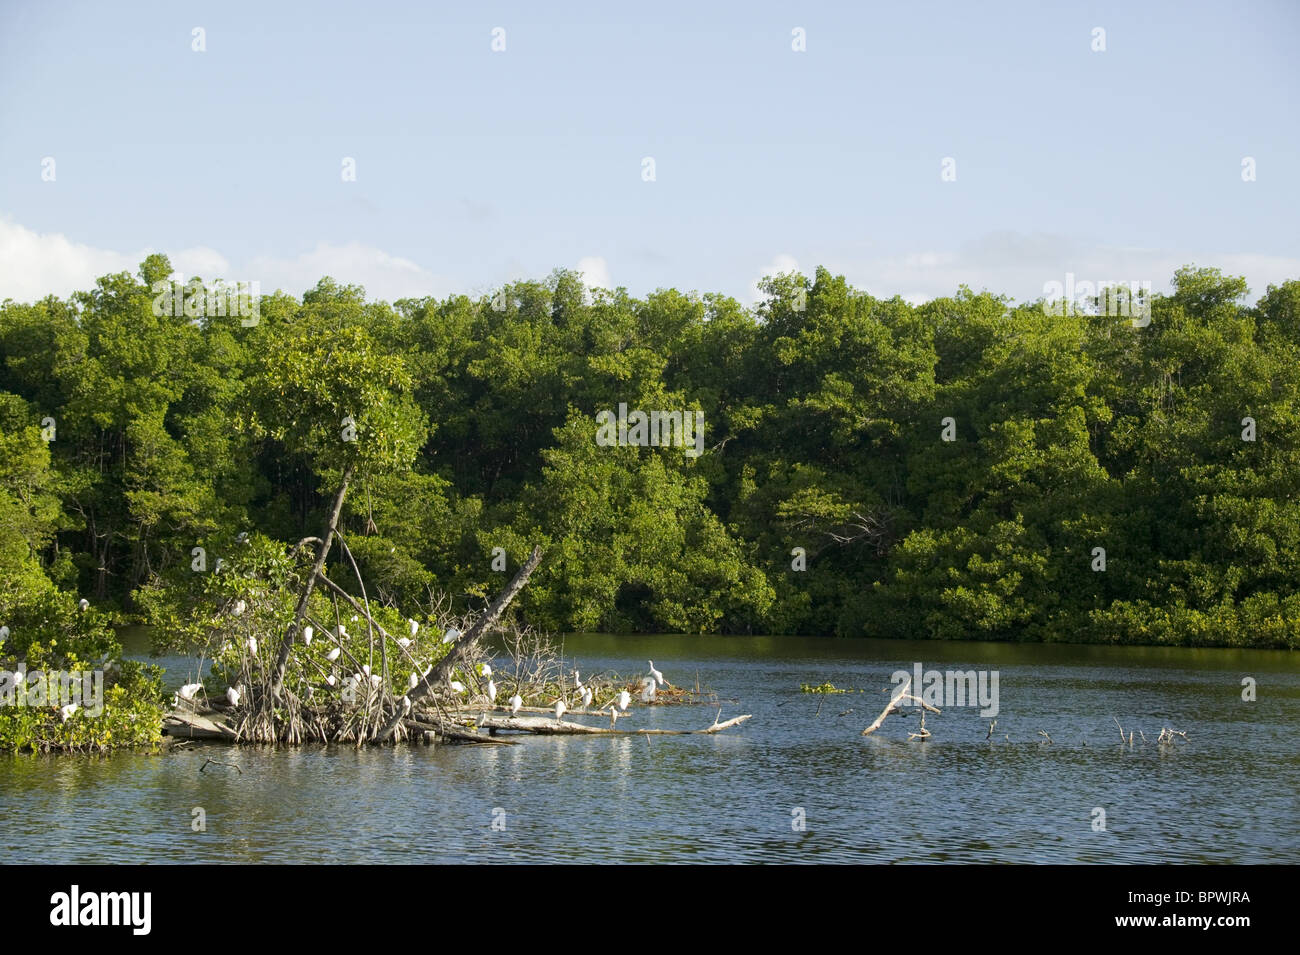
[(475, 429)]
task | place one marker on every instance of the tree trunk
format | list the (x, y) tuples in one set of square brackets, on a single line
[(291, 632)]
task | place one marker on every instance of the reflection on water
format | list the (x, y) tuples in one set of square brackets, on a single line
[(1227, 795)]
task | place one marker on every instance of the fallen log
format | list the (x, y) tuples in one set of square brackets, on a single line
[(553, 727), (445, 731), (189, 725)]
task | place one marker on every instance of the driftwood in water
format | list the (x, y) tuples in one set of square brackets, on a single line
[(901, 695), (553, 727), (458, 733), (188, 725)]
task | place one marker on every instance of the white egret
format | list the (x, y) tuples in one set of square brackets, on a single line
[(613, 715), (659, 677), (330, 679), (333, 654), (485, 670), (577, 680), (252, 644), (413, 682), (451, 634), (516, 701), (492, 691), (307, 633), (240, 607), (84, 604), (404, 642), (242, 537), (376, 680), (457, 686), (559, 710), (67, 711), (355, 618), (365, 668), (647, 690), (4, 634), (189, 689), (343, 631), (233, 695), (624, 699), (406, 704), (415, 627), (586, 697)]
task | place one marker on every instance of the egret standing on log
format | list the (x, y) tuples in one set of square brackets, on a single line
[(492, 692), (659, 677), (559, 710), (516, 701)]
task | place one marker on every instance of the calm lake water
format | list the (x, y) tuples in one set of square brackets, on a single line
[(1228, 794)]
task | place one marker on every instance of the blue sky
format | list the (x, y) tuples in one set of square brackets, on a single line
[(475, 167)]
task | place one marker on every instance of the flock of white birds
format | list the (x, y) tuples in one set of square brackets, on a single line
[(234, 694)]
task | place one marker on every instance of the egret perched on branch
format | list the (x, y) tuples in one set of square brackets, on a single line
[(586, 696), (307, 633), (365, 668), (577, 680), (457, 686), (559, 710), (659, 677), (404, 642), (624, 699), (413, 682), (240, 607), (516, 701), (406, 704), (189, 689), (485, 670), (233, 695), (252, 644), (415, 627), (492, 691), (84, 604), (343, 631), (451, 634), (4, 634), (375, 680), (333, 654), (613, 715), (647, 690), (330, 679)]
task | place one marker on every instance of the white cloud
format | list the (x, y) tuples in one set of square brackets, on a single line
[(33, 265), (384, 276), (595, 272), (779, 265), (1020, 265)]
